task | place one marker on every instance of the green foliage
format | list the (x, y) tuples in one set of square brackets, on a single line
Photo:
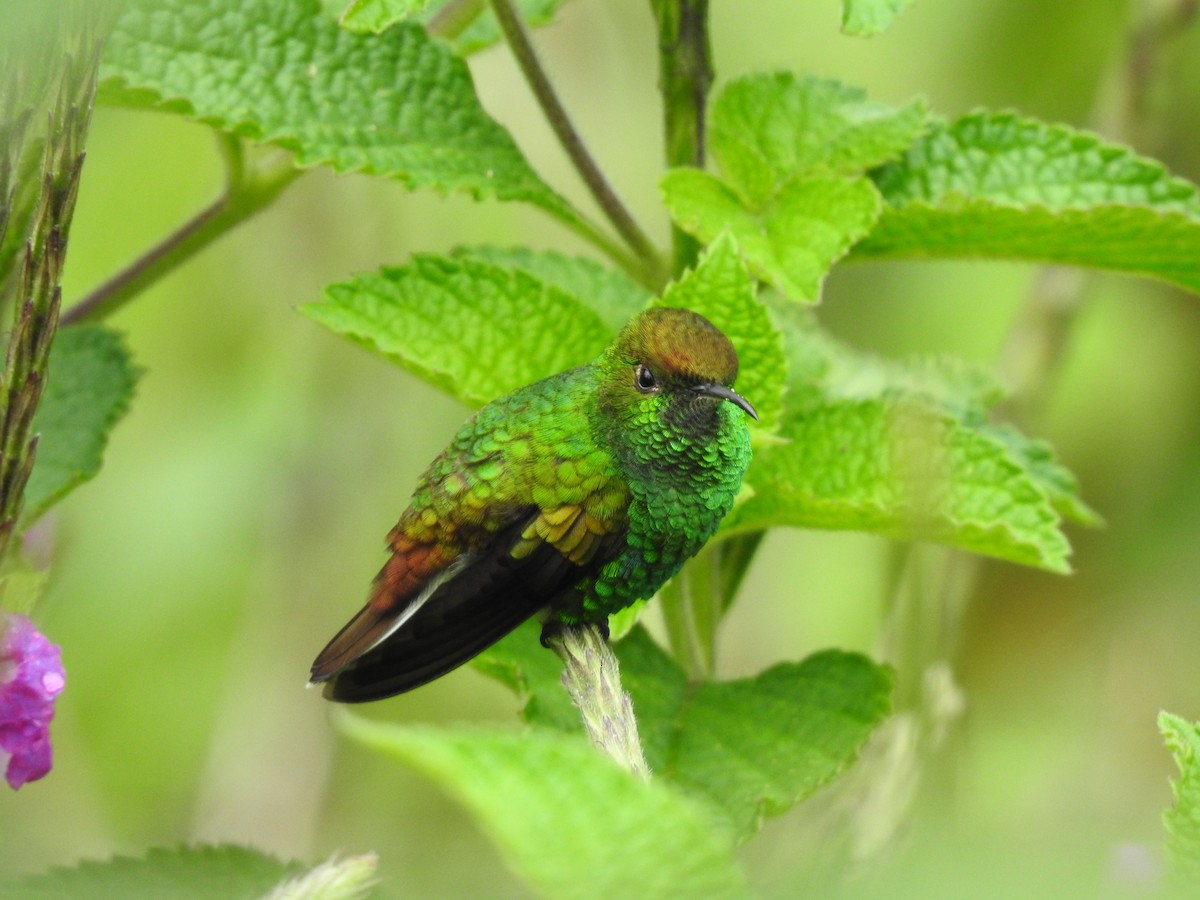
[(564, 817), (184, 873), (91, 384), (1182, 821), (468, 30), (276, 72), (792, 152), (1002, 186), (750, 748), (473, 328), (866, 18)]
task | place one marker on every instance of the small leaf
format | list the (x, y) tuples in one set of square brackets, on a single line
[(998, 185), (184, 873), (901, 467), (566, 818), (472, 328), (398, 105), (866, 18), (613, 296), (768, 127), (720, 289), (792, 240), (1182, 821), (90, 384), (374, 16)]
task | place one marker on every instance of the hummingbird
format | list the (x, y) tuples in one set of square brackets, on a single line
[(570, 498)]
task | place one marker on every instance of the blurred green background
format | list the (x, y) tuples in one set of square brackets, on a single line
[(243, 503)]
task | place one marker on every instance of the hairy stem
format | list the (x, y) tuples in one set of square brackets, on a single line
[(685, 76), (614, 209), (248, 190), (39, 277), (592, 676)]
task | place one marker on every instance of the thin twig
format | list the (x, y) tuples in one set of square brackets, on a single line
[(522, 48), (246, 194)]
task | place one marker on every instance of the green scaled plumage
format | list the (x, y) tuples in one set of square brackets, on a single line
[(574, 496)]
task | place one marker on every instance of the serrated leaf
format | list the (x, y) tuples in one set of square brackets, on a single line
[(720, 289), (998, 185), (793, 239), (866, 18), (1182, 821), (374, 16), (768, 127), (566, 818), (901, 467), (90, 384), (185, 873), (613, 296), (279, 73), (472, 328), (1060, 485), (749, 748), (753, 747)]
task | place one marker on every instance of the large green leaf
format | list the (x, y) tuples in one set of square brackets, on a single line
[(399, 105), (998, 185), (472, 328), (1182, 821), (754, 747), (750, 748), (90, 385), (901, 467), (720, 289), (565, 817)]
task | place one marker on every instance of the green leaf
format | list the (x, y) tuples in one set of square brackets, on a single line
[(902, 467), (866, 18), (768, 127), (998, 185), (566, 818), (1182, 821), (613, 296), (398, 105), (791, 152), (720, 289), (374, 16), (1060, 485), (184, 873), (472, 328), (793, 238), (753, 747), (91, 381)]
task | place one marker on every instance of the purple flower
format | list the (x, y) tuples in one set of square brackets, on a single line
[(31, 676)]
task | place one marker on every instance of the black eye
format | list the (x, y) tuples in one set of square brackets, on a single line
[(645, 380)]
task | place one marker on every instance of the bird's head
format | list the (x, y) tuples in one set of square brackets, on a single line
[(670, 368)]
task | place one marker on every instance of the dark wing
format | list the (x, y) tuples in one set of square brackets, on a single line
[(428, 615)]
